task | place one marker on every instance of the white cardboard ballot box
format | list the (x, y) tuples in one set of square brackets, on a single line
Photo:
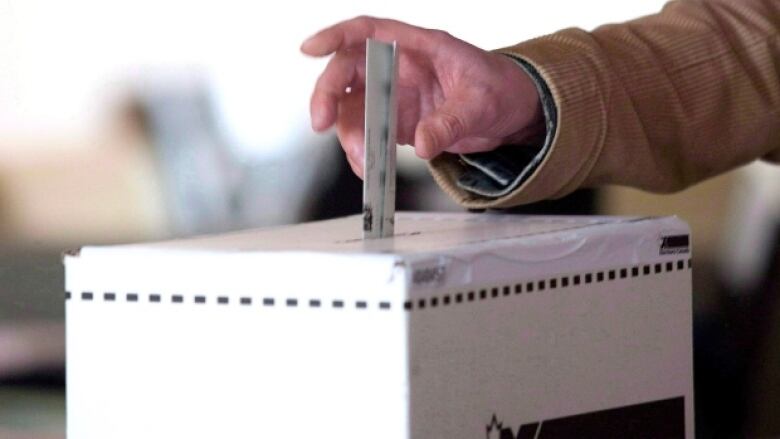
[(461, 326)]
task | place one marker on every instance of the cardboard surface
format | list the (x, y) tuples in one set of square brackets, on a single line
[(304, 330)]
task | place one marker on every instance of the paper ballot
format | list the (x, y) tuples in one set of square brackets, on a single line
[(380, 126)]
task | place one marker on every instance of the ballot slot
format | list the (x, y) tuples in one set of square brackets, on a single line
[(380, 139)]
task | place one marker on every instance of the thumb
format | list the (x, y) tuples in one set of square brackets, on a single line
[(442, 128)]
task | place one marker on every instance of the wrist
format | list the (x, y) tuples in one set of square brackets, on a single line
[(506, 169), (529, 123)]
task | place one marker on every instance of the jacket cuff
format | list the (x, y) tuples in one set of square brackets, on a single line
[(576, 83), (494, 174)]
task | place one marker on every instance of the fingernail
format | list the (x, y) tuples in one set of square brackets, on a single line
[(318, 121), (360, 153), (313, 46), (315, 121), (427, 145)]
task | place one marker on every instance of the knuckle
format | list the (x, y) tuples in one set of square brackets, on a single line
[(313, 100), (452, 124), (319, 98), (323, 78), (364, 21), (440, 35), (323, 89)]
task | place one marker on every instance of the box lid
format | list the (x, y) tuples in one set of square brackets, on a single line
[(451, 248)]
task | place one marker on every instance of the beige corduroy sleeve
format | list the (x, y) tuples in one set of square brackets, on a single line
[(658, 103)]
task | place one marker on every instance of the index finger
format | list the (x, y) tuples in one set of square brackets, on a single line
[(354, 32)]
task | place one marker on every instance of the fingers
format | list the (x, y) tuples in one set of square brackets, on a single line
[(345, 69), (350, 129), (339, 36), (443, 128), (473, 144), (357, 167), (354, 32)]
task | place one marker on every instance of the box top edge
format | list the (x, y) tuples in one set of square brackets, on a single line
[(418, 234)]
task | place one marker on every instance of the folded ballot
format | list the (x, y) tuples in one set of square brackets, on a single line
[(459, 326)]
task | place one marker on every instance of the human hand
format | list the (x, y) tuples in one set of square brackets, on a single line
[(452, 96)]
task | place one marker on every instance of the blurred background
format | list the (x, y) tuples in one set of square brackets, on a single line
[(144, 120)]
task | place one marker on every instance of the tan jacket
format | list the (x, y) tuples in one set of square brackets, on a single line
[(658, 103)]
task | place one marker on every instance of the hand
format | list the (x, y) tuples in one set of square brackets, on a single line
[(452, 96)]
